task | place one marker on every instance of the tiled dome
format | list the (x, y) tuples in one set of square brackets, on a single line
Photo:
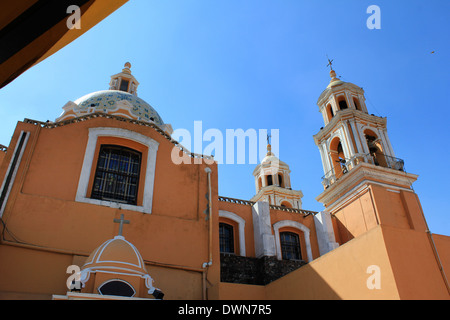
[(106, 100)]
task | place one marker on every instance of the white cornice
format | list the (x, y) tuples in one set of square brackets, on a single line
[(279, 191), (347, 114), (369, 173)]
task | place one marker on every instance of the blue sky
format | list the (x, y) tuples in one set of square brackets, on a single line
[(259, 64)]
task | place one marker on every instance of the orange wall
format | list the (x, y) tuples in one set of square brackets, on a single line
[(41, 209), (340, 274), (378, 205), (414, 264)]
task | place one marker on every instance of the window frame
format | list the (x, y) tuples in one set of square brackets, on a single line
[(119, 150), (148, 147), (293, 226), (295, 245), (231, 241), (239, 232)]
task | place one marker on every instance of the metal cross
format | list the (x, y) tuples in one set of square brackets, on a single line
[(330, 63), (121, 221), (268, 138)]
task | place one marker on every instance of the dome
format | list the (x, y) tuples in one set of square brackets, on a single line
[(271, 158), (108, 101), (116, 255)]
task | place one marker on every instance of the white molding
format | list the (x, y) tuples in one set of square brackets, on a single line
[(88, 165), (360, 188), (16, 168), (293, 224), (241, 226)]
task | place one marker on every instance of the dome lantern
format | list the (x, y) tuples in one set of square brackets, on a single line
[(124, 81)]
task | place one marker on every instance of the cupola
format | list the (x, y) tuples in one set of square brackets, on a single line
[(273, 182)]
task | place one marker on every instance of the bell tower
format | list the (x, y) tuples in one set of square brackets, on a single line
[(365, 185), (273, 183)]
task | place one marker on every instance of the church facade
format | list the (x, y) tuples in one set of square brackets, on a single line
[(93, 207)]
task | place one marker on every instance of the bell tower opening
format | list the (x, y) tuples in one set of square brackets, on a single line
[(356, 103), (330, 112), (375, 149), (269, 180), (342, 103), (338, 158)]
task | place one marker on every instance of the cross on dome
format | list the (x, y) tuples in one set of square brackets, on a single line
[(122, 221)]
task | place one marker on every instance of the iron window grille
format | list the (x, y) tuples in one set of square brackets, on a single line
[(290, 246), (117, 174), (226, 236)]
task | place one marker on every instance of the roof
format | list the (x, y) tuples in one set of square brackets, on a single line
[(109, 101), (116, 255)]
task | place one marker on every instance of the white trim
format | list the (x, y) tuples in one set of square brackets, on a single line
[(241, 226), (16, 168), (107, 243), (88, 165), (293, 224)]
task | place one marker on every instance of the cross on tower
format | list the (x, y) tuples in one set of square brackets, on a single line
[(330, 63), (268, 138), (122, 221)]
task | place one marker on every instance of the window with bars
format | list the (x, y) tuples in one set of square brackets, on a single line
[(226, 235), (290, 246), (117, 174)]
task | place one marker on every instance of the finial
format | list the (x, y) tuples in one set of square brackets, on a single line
[(332, 72), (126, 68), (269, 147)]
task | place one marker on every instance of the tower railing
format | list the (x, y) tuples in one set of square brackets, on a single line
[(344, 166)]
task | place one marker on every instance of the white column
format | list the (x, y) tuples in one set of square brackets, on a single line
[(325, 232), (388, 142), (262, 230), (326, 156), (348, 139), (363, 139), (356, 136)]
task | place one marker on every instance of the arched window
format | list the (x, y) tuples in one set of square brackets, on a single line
[(290, 246), (117, 288), (356, 102), (280, 180), (338, 157), (269, 180), (342, 103), (226, 238), (330, 112), (375, 149), (117, 174), (286, 204)]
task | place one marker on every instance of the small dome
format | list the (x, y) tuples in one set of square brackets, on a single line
[(107, 100), (272, 158), (116, 255)]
